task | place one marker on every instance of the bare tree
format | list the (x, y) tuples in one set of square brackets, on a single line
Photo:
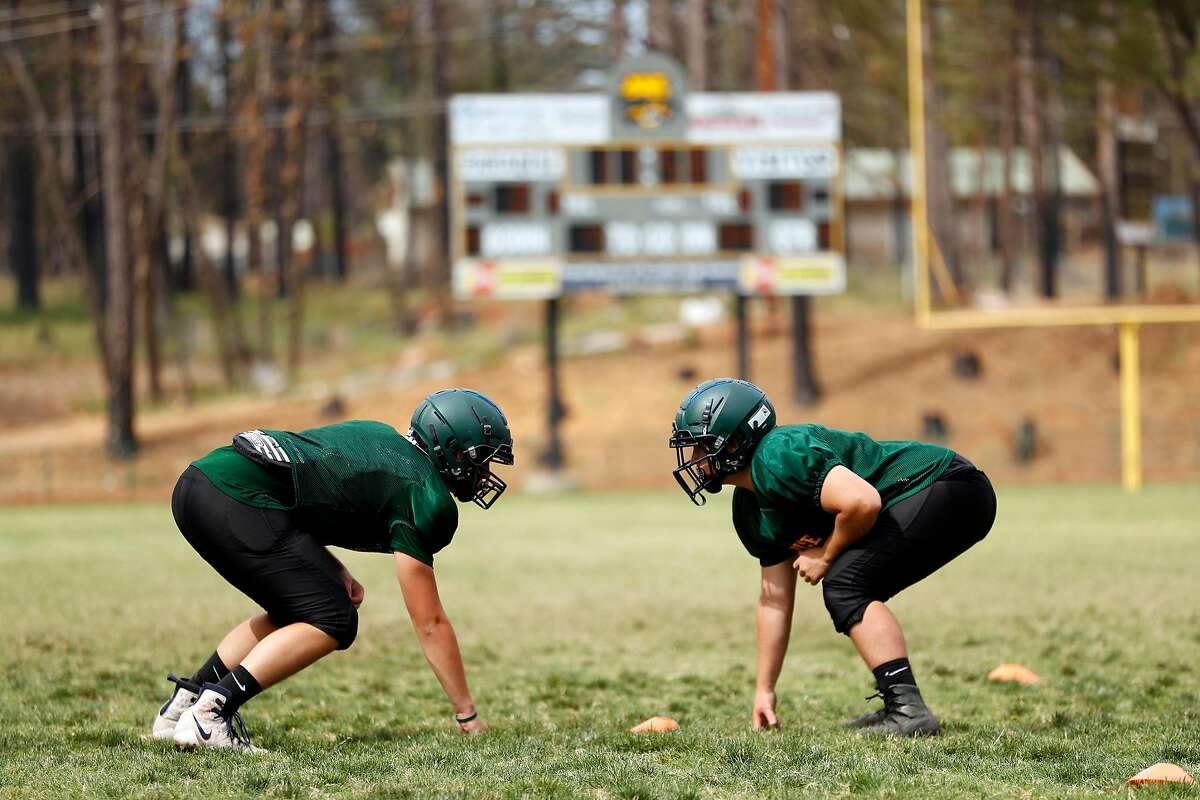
[(300, 96), (616, 31), (56, 195), (1179, 27), (1039, 141), (255, 35), (1008, 140), (1106, 157), (937, 169), (228, 178), (114, 131), (661, 27), (437, 88), (697, 44), (330, 85), (22, 222), (148, 206)]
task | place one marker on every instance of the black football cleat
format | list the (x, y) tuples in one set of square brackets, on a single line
[(870, 718), (904, 713)]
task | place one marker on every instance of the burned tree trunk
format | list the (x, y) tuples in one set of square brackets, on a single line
[(114, 132), (22, 223), (300, 91), (942, 218)]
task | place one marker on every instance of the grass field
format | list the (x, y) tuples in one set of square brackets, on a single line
[(580, 616)]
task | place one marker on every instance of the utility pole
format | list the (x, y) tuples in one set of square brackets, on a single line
[(804, 384)]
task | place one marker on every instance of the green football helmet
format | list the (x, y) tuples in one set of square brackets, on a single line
[(724, 419), (463, 432)]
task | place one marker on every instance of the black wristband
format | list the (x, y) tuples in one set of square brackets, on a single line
[(466, 719)]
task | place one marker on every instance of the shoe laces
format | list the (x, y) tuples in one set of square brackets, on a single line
[(183, 683), (878, 695), (236, 727)]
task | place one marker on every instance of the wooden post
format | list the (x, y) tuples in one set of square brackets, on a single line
[(553, 458), (743, 337)]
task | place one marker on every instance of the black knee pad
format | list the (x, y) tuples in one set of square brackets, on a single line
[(845, 602), (342, 626)]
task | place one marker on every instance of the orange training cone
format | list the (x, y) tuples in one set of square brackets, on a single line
[(1014, 673), (656, 725), (1163, 772)]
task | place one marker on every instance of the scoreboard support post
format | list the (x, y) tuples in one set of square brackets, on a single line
[(804, 384), (741, 312), (553, 456)]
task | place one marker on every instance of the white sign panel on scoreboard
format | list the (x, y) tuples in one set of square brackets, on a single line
[(762, 162), (764, 117), (511, 164), (543, 118)]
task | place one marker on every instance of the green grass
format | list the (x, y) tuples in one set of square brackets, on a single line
[(580, 616)]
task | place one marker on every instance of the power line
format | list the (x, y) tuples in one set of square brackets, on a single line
[(212, 123), (24, 14), (39, 30)]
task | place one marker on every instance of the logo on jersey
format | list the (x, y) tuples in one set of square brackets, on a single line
[(806, 541)]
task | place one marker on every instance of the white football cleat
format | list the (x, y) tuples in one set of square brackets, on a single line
[(185, 694), (203, 725)]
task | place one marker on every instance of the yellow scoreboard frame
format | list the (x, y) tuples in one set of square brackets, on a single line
[(1127, 318)]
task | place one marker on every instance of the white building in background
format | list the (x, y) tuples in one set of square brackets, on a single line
[(878, 186)]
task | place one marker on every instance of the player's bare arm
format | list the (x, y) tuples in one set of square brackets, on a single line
[(776, 598), (855, 505), (437, 638)]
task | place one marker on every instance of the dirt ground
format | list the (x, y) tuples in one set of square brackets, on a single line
[(879, 373)]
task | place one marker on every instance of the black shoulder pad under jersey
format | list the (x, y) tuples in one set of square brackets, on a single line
[(262, 449)]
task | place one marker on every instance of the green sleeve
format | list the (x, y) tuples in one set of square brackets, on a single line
[(795, 473), (434, 519), (404, 539), (749, 524)]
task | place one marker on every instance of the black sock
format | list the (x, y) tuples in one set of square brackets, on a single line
[(241, 686), (892, 673), (212, 672)]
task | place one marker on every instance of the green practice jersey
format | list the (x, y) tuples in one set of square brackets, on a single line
[(358, 484), (783, 514), (246, 481)]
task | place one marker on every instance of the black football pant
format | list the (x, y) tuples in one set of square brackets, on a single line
[(909, 541), (265, 554)]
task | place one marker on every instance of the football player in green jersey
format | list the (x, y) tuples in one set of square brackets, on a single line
[(263, 513), (868, 518)]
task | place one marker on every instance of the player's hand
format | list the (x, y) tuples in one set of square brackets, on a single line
[(353, 588), (811, 566), (474, 727), (764, 711)]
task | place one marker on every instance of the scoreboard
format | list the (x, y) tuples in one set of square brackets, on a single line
[(646, 188)]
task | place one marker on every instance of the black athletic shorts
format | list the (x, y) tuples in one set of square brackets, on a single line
[(267, 556), (909, 541)]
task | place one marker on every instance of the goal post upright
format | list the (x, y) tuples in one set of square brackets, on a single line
[(916, 136), (1127, 318)]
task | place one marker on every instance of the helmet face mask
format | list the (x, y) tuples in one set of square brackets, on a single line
[(463, 433), (482, 486), (698, 474), (715, 434)]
